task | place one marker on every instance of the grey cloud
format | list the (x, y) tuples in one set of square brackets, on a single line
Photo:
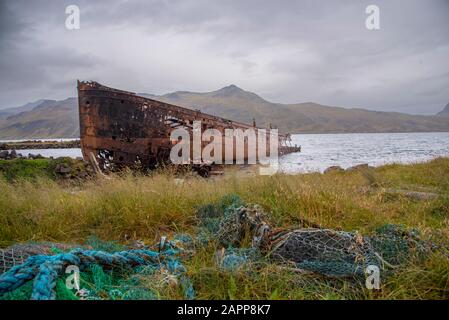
[(286, 51)]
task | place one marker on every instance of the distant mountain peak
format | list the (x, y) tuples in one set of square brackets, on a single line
[(230, 90), (233, 91), (232, 87), (445, 111)]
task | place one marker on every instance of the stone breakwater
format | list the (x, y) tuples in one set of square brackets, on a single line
[(39, 144)]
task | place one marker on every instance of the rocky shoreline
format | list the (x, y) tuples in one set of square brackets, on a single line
[(11, 155)]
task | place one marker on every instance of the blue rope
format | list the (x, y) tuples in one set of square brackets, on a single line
[(46, 269)]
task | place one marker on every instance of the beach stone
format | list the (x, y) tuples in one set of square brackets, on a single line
[(334, 169), (4, 154), (414, 195), (13, 154), (62, 168), (35, 156), (362, 166), (82, 174)]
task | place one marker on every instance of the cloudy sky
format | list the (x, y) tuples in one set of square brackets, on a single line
[(285, 51)]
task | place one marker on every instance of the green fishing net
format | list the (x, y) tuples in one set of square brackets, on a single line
[(244, 238), (324, 251)]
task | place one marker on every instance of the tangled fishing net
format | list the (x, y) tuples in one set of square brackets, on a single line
[(324, 251), (18, 254), (35, 271), (244, 237)]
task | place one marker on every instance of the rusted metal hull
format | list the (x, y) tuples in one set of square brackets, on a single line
[(123, 129)]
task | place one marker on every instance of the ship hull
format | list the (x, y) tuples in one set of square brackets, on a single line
[(124, 129)]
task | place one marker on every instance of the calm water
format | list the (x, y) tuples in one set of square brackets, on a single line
[(55, 153), (320, 151)]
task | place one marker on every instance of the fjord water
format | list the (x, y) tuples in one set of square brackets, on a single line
[(320, 151)]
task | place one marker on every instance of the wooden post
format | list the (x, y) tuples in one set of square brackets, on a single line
[(95, 166)]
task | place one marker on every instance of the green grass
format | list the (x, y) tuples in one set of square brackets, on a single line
[(129, 207), (27, 169)]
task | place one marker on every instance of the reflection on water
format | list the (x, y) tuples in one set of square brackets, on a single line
[(320, 151)]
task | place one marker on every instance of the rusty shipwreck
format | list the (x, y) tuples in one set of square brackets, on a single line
[(120, 128)]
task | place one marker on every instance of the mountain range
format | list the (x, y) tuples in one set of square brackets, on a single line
[(445, 111), (57, 119), (41, 119)]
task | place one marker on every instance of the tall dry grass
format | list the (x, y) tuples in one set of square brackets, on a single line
[(131, 206)]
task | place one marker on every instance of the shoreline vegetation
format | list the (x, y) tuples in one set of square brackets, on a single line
[(37, 205)]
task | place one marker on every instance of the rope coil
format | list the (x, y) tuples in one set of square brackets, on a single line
[(46, 269)]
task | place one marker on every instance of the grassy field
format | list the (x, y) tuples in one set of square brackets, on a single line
[(44, 168), (130, 207)]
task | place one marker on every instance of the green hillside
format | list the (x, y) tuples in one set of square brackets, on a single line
[(57, 119)]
